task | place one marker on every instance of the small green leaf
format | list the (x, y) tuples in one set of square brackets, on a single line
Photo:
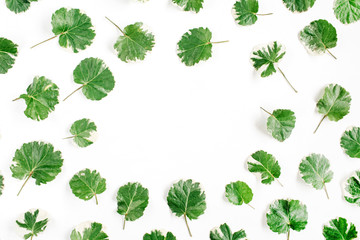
[(87, 184), (353, 189), (189, 5), (246, 12), (157, 235), (339, 230), (8, 52), (315, 170), (265, 164), (285, 215), (93, 233), (280, 123), (73, 28), (350, 142), (187, 199), (195, 46), (334, 104), (266, 59), (347, 11), (1, 184), (299, 5), (238, 193), (82, 130), (37, 160), (135, 42), (319, 37), (226, 234), (18, 6), (132, 200), (95, 78), (41, 98), (31, 224)]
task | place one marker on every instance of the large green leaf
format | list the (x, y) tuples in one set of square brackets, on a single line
[(226, 234), (8, 52), (299, 5), (87, 184), (315, 170), (132, 200), (158, 235), (135, 42), (32, 226), (319, 37), (94, 232), (265, 164), (280, 123), (347, 11), (95, 78), (334, 104), (339, 230), (82, 130), (18, 6), (350, 142), (195, 46), (37, 160), (187, 199), (238, 193), (41, 98), (190, 5), (285, 215), (353, 189), (246, 12), (1, 184)]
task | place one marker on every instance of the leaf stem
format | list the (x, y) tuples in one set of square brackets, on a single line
[(267, 112), (282, 73), (288, 235), (250, 206), (69, 137), (326, 191), (219, 42), (279, 182), (16, 99), (44, 41), (124, 222), (187, 225), (263, 14), (73, 92), (320, 123), (27, 179), (96, 199), (116, 26), (31, 237), (331, 54)]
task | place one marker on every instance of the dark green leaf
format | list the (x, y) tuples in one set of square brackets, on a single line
[(18, 6), (190, 5), (93, 233), (280, 123), (157, 235), (31, 224), (82, 131), (353, 189), (265, 164), (350, 142), (340, 230), (8, 52), (41, 98), (37, 160), (87, 184), (238, 193), (246, 12), (226, 234), (299, 5), (347, 11)]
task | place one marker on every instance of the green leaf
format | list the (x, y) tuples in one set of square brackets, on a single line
[(134, 43), (189, 5), (87, 184), (187, 199), (299, 5), (266, 59), (280, 123), (353, 189), (8, 50), (73, 28), (96, 79), (157, 235), (347, 11), (37, 160), (195, 46), (350, 142), (238, 193), (285, 215), (1, 184), (41, 98), (226, 234), (18, 6), (132, 200), (319, 36), (339, 230), (315, 170), (93, 233), (334, 104), (265, 164), (82, 130), (32, 225), (246, 12)]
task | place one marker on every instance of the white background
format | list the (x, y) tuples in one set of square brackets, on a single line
[(165, 121)]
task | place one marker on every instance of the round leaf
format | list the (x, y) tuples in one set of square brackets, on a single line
[(353, 189), (189, 5), (94, 232), (245, 12), (8, 52), (226, 234), (339, 230), (299, 5), (82, 130), (265, 164), (18, 6), (238, 193), (350, 142), (281, 123), (347, 11), (157, 235)]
